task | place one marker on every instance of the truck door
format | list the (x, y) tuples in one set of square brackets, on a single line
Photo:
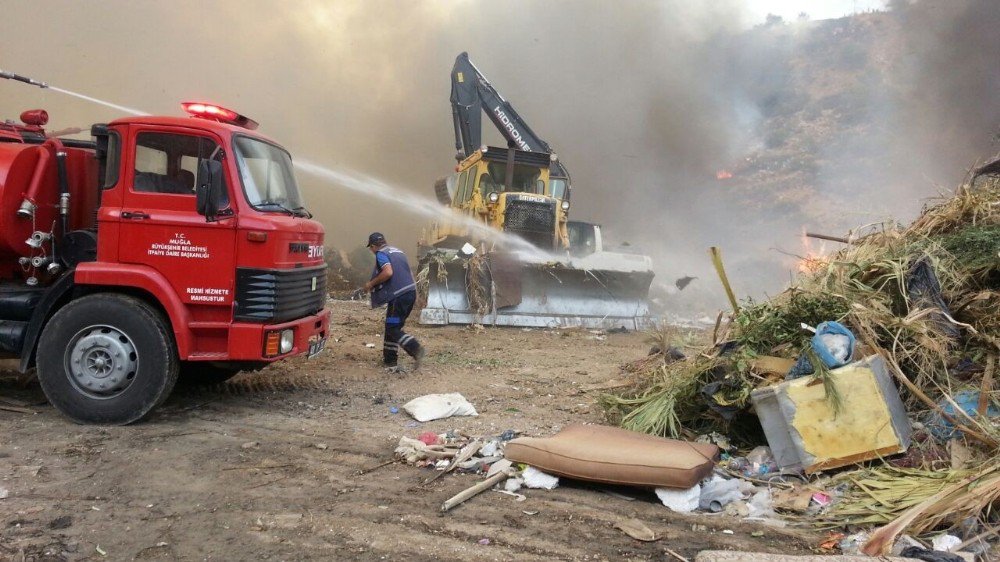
[(161, 228)]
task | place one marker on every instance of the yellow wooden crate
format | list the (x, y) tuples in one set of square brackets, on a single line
[(805, 433)]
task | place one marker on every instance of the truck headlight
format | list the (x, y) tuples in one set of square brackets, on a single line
[(287, 341), (565, 205), (493, 196)]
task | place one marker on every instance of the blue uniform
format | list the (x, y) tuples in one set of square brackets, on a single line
[(399, 293)]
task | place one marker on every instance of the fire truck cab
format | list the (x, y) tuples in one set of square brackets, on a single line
[(164, 247)]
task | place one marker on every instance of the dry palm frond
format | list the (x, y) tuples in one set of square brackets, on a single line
[(965, 495)]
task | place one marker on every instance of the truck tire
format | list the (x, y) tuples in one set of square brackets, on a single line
[(208, 373), (107, 359)]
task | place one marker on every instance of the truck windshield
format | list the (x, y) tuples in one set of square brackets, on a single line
[(266, 173)]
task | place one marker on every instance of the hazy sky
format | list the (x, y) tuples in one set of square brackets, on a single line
[(644, 100)]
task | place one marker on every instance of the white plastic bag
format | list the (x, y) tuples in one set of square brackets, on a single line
[(438, 406), (681, 501), (534, 478)]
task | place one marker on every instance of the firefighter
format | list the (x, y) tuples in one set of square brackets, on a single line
[(392, 284)]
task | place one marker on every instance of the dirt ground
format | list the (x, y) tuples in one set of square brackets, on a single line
[(266, 467)]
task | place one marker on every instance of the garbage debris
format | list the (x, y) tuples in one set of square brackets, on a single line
[(719, 492), (681, 501), (833, 344), (439, 406), (534, 478), (806, 431), (945, 543), (637, 530), (922, 303), (929, 555)]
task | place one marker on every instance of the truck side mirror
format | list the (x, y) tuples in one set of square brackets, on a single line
[(210, 194)]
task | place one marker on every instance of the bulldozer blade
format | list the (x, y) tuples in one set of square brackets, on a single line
[(550, 295)]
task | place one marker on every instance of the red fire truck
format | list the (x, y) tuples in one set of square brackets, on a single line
[(164, 247)]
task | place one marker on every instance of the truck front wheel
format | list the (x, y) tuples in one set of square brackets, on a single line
[(107, 358)]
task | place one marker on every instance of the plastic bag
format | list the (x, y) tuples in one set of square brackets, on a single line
[(681, 501), (534, 478), (438, 406)]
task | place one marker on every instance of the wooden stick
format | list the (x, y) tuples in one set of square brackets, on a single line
[(464, 495), (363, 471), (675, 555), (717, 260), (830, 238), (16, 409)]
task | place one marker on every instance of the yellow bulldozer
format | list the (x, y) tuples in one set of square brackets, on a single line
[(508, 254)]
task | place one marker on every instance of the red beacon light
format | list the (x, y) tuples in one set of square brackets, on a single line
[(217, 113)]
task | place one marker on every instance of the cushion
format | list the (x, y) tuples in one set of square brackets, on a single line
[(613, 455)]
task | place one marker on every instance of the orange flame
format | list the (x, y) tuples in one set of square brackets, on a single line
[(723, 175), (813, 257)]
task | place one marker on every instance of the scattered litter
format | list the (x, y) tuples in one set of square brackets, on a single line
[(727, 532), (928, 555), (946, 543), (430, 438), (4, 492), (502, 465), (518, 497), (101, 551), (851, 544), (513, 484), (393, 410), (438, 406), (490, 448), (636, 529), (370, 345), (484, 542), (529, 512), (534, 478), (681, 501), (321, 446), (717, 493), (821, 499), (250, 445)]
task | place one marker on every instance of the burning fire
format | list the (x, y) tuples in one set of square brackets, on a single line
[(813, 257), (723, 175)]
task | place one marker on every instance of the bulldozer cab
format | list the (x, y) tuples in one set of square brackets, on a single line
[(516, 196)]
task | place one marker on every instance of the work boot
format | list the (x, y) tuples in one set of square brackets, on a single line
[(418, 358)]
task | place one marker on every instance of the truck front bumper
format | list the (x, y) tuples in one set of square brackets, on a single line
[(247, 341)]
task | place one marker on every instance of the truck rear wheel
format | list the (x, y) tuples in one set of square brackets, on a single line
[(107, 359)]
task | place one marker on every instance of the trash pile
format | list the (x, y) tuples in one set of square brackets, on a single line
[(903, 324)]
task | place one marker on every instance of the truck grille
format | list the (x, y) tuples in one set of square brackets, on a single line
[(534, 221), (279, 295)]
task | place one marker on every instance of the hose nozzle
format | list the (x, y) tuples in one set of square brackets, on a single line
[(12, 76)]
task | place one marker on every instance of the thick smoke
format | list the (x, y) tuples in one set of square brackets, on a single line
[(643, 101)]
